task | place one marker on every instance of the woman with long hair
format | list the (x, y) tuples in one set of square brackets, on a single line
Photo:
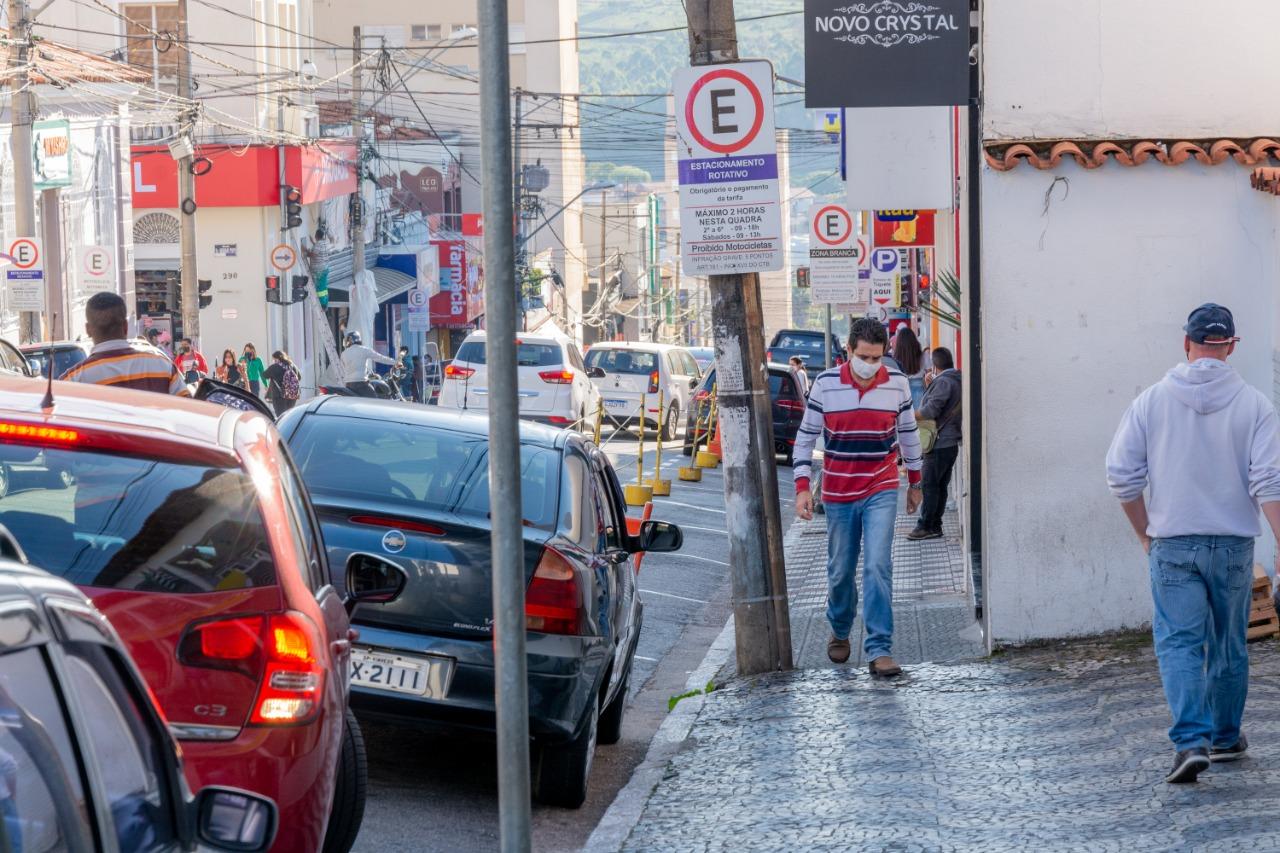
[(283, 382), (910, 358), (230, 372), (253, 368)]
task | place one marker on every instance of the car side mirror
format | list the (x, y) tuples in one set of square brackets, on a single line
[(596, 372), (373, 580), (693, 382), (231, 819), (33, 367), (659, 537)]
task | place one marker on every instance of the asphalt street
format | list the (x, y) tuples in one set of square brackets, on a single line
[(431, 791)]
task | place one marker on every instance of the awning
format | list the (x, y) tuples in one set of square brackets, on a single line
[(391, 283)]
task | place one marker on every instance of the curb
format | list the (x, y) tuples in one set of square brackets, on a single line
[(624, 813)]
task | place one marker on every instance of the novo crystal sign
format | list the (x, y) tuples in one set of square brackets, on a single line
[(907, 54)]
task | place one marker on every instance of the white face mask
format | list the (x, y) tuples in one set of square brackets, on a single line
[(863, 369)]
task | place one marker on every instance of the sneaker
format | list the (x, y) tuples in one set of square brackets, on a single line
[(1187, 765), (884, 667), (838, 650), (1231, 753), (921, 533)]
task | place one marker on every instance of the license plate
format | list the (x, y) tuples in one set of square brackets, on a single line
[(426, 676), (622, 405)]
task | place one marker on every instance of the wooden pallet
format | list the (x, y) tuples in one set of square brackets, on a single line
[(1263, 619)]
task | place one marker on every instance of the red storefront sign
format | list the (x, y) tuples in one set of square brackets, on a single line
[(903, 228), (245, 177), (449, 307), (473, 225)]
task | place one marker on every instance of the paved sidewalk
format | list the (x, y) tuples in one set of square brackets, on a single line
[(1057, 749)]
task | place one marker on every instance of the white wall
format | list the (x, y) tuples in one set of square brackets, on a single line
[(1082, 309), (1129, 68)]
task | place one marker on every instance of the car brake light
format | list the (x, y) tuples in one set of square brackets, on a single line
[(653, 382), (51, 435), (557, 377), (294, 676), (231, 644), (768, 355), (557, 419), (455, 372), (552, 604), (398, 523), (793, 405), (701, 395)]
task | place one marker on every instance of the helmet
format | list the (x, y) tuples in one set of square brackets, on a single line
[(353, 339)]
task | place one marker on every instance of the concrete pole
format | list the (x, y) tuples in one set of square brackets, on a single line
[(187, 192), (56, 297), (286, 287), (761, 617), (826, 343), (517, 191), (507, 537), (357, 131), (20, 145)]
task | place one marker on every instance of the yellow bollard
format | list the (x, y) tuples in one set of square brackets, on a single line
[(639, 494), (692, 473), (599, 417), (660, 486)]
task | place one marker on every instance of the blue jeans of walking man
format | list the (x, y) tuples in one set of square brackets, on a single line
[(1201, 588), (866, 526)]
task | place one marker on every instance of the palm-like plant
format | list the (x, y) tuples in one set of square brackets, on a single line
[(947, 306)]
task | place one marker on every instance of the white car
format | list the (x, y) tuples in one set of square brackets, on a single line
[(553, 384), (633, 370)]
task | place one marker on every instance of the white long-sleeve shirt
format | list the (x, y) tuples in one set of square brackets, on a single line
[(355, 362)]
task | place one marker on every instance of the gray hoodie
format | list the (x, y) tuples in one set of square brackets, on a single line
[(1206, 445)]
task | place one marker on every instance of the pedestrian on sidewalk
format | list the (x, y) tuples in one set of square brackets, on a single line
[(799, 376), (284, 382), (253, 368), (119, 362), (190, 362), (1206, 447), (862, 410), (941, 405), (910, 358), (230, 370)]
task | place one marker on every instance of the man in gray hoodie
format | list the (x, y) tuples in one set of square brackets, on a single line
[(1206, 447)]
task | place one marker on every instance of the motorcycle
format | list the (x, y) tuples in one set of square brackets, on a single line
[(374, 386)]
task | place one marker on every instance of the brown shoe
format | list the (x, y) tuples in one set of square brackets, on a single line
[(838, 650), (884, 667)]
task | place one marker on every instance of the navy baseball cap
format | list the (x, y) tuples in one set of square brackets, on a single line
[(1211, 324)]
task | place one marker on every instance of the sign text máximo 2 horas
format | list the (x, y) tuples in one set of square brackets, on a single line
[(730, 208)]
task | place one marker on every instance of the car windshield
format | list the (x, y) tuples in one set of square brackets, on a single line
[(527, 354), (63, 360), (416, 467), (804, 342), (623, 360), (139, 524)]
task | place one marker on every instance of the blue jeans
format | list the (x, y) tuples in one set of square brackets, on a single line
[(1201, 588), (866, 524)]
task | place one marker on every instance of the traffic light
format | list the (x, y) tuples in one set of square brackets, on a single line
[(273, 290), (802, 277), (292, 207), (299, 293), (206, 298)]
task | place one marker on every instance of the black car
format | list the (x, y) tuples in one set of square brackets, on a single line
[(410, 485), (788, 410), (808, 345), (63, 355), (86, 762)]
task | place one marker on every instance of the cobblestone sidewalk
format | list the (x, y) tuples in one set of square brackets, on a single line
[(1057, 749)]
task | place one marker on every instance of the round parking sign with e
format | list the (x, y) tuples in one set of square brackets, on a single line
[(724, 111), (884, 260), (833, 225), (418, 298), (25, 253), (97, 262)]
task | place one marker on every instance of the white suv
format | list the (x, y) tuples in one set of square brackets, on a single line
[(553, 383), (635, 369)]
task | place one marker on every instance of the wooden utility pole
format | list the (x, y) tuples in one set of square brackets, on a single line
[(762, 621)]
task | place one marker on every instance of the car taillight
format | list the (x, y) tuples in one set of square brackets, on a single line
[(557, 377), (294, 676), (768, 355), (232, 644), (41, 434), (793, 405), (397, 523), (653, 382), (559, 420), (552, 604), (702, 396), (455, 372)]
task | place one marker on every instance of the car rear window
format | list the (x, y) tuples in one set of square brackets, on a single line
[(139, 524), (623, 360), (527, 354), (63, 360), (416, 467), (803, 342)]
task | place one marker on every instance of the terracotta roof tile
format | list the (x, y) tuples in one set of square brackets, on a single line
[(56, 63), (1266, 179), (1093, 154)]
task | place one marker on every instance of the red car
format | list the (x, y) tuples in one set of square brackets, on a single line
[(187, 525)]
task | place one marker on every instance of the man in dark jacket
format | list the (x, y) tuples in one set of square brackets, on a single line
[(941, 404)]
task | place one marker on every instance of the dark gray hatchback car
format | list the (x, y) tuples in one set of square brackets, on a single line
[(409, 485)]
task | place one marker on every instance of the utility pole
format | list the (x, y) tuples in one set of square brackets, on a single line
[(762, 621), (357, 130), (507, 536), (20, 143), (187, 188), (517, 185)]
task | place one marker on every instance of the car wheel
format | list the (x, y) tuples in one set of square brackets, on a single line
[(672, 426), (349, 790), (611, 717), (563, 769), (5, 477)]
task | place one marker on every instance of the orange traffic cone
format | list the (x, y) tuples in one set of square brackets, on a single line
[(714, 444)]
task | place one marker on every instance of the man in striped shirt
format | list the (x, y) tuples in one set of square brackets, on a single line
[(863, 411), (117, 361)]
